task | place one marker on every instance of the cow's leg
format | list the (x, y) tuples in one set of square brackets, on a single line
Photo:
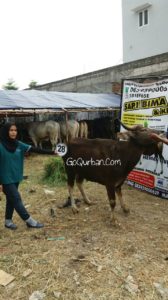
[(40, 144), (53, 141), (34, 141), (161, 158), (120, 196), (157, 160), (111, 197), (79, 182), (140, 161), (71, 181), (77, 131), (161, 163), (53, 145), (56, 141)]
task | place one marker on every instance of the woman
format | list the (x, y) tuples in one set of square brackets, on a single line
[(11, 173)]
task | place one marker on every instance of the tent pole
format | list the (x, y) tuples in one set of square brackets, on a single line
[(34, 116), (66, 119), (6, 118)]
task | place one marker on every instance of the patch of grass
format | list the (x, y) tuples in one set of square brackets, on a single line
[(54, 172)]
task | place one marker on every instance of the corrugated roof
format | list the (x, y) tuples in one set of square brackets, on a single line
[(33, 99)]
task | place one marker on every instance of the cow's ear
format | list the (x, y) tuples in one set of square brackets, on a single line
[(142, 138)]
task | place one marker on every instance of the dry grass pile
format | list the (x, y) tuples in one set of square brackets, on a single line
[(82, 257)]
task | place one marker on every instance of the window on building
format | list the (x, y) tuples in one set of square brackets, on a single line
[(143, 18), (140, 19)]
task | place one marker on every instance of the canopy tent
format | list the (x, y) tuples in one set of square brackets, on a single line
[(26, 101)]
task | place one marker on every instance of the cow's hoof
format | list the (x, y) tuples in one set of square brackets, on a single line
[(75, 209), (126, 210), (88, 202), (114, 222)]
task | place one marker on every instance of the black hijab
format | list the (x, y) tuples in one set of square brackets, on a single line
[(9, 144)]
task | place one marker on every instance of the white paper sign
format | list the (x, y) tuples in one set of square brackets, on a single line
[(147, 104)]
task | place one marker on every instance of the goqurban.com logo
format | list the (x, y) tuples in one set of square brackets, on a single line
[(91, 162)]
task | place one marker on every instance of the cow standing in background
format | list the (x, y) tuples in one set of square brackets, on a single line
[(107, 162), (73, 130), (83, 129), (42, 131)]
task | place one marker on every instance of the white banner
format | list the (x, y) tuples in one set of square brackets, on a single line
[(147, 104)]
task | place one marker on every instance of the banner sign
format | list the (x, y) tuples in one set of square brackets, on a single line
[(147, 104)]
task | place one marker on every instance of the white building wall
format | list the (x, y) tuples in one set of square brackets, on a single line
[(148, 40)]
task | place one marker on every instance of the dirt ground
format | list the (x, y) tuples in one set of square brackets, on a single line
[(83, 257)]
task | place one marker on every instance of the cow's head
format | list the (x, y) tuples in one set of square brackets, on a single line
[(141, 135)]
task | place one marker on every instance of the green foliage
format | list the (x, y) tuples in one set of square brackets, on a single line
[(54, 172), (32, 84), (10, 85), (146, 124)]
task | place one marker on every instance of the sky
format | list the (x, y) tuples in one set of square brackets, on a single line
[(50, 40)]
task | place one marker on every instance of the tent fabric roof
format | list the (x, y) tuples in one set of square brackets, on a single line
[(34, 99)]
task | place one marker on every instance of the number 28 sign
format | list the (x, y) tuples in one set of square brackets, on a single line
[(61, 149)]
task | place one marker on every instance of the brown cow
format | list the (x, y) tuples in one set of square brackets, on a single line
[(107, 162)]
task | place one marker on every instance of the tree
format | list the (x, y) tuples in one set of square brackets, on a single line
[(10, 85), (32, 84)]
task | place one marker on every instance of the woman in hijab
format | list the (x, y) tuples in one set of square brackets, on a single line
[(11, 173)]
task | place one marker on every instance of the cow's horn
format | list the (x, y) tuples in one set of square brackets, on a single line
[(127, 127), (158, 138)]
